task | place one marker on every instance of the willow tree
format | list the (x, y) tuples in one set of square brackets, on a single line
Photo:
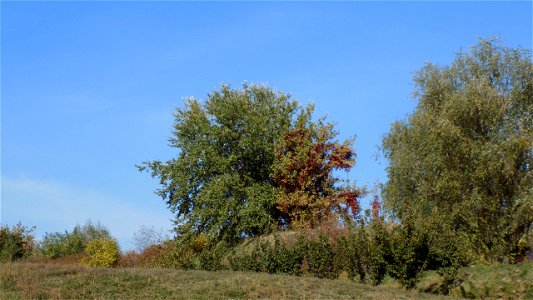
[(462, 161)]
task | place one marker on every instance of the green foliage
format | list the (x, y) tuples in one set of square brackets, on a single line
[(16, 242), (211, 259), (279, 258), (101, 252), (365, 252), (165, 255), (177, 256), (55, 245), (220, 184), (409, 254), (379, 253), (348, 258), (463, 159), (358, 254), (250, 162), (273, 258), (320, 258)]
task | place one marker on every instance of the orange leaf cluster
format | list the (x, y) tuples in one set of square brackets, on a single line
[(306, 158)]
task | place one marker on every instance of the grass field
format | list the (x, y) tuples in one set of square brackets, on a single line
[(23, 280), (494, 281), (54, 281)]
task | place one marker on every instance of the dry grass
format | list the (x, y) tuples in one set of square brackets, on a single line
[(494, 281), (38, 279), (24, 280)]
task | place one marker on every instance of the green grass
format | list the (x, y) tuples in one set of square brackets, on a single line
[(496, 281), (48, 280), (493, 281), (24, 280)]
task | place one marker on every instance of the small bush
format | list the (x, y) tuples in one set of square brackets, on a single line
[(211, 259), (410, 254), (379, 253), (55, 245), (320, 258), (350, 256), (102, 253), (269, 257), (16, 242)]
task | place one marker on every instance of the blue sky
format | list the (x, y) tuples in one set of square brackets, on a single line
[(88, 88)]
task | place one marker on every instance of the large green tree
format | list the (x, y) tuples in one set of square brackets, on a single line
[(220, 184), (462, 161), (252, 161)]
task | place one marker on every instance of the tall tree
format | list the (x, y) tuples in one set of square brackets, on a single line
[(307, 155), (252, 161), (463, 158), (220, 184)]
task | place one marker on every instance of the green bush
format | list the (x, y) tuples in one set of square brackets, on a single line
[(101, 253), (315, 257), (16, 242), (269, 257), (246, 261), (367, 253), (211, 259), (288, 258), (410, 254), (167, 255), (379, 253), (352, 254), (320, 258), (55, 245)]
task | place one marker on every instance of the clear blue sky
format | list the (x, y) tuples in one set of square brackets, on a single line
[(88, 88)]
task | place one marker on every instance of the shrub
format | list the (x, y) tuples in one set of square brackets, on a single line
[(211, 259), (55, 245), (351, 255), (16, 242), (410, 254), (311, 256), (379, 252), (290, 258), (129, 259), (320, 258), (101, 253), (264, 256), (448, 254)]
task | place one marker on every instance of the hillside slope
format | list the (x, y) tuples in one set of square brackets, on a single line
[(24, 280)]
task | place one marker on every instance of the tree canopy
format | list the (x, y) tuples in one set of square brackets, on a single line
[(306, 156), (223, 182), (462, 160)]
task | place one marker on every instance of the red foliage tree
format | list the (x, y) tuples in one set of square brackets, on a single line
[(306, 159)]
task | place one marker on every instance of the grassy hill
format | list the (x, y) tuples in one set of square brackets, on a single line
[(49, 280), (54, 281)]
